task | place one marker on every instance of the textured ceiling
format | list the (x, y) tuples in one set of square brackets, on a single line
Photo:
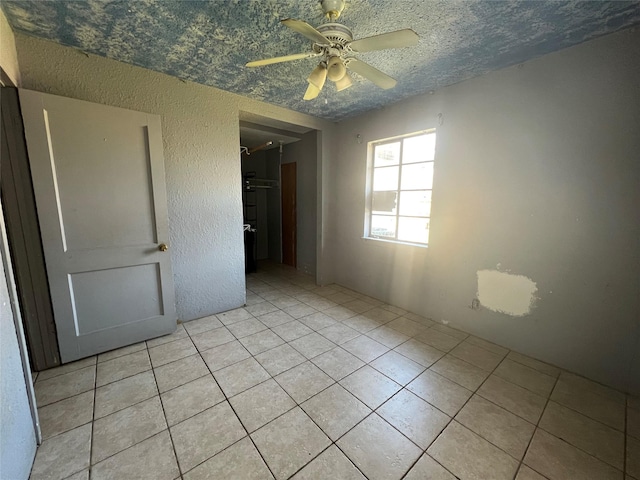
[(209, 42), (259, 135)]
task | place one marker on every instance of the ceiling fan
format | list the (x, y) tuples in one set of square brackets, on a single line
[(334, 43)]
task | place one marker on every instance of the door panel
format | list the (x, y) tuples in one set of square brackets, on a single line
[(116, 149), (110, 298), (98, 175), (289, 223)]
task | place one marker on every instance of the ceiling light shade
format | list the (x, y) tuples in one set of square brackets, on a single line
[(336, 69), (318, 76), (344, 82)]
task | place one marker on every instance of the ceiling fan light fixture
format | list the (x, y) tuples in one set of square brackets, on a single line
[(318, 76), (336, 69), (344, 83), (335, 44)]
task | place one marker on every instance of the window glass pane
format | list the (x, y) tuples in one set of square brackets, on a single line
[(385, 179), (417, 176), (416, 204), (385, 202), (420, 148), (383, 226), (387, 154), (413, 229)]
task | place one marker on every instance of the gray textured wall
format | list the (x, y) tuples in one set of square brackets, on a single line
[(536, 171), (201, 148)]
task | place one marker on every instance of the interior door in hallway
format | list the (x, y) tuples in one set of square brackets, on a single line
[(98, 177), (289, 222)]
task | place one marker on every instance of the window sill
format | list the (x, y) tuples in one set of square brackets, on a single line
[(395, 242)]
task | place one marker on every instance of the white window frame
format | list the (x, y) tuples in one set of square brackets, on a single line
[(369, 188)]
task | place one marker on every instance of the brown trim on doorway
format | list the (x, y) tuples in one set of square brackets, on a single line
[(23, 233)]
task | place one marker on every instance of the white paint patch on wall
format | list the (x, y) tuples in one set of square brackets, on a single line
[(506, 293)]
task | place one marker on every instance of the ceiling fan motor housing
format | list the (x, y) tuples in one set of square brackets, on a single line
[(339, 36), (336, 33)]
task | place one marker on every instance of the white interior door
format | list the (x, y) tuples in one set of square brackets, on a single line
[(98, 177)]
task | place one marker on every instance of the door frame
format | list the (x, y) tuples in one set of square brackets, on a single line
[(17, 322), (6, 264), (290, 166), (25, 242)]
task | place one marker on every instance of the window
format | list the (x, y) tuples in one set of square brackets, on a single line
[(400, 188)]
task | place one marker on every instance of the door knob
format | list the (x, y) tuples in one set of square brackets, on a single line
[(163, 247)]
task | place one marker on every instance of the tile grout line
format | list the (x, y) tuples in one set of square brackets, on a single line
[(584, 451), (452, 417), (134, 404), (555, 384), (568, 407), (66, 398), (298, 405), (401, 386), (373, 410), (226, 398), (93, 417), (595, 420), (164, 412), (548, 397), (423, 450), (332, 442), (61, 374), (626, 428)]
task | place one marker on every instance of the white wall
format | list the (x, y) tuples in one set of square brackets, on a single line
[(537, 171), (17, 435), (200, 128)]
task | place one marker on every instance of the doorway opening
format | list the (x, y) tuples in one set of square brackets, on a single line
[(279, 186)]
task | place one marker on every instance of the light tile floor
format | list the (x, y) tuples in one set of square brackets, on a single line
[(326, 383)]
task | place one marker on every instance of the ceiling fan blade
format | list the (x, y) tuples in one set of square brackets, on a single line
[(397, 39), (286, 58), (370, 73), (312, 92), (307, 30)]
